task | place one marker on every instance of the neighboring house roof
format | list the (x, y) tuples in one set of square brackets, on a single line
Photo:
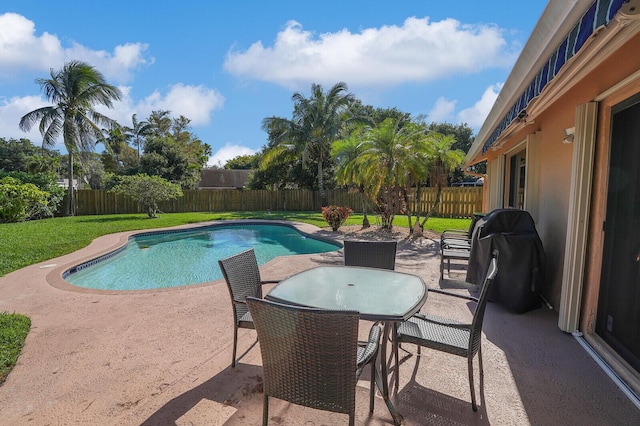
[(563, 29), (223, 178), (64, 183)]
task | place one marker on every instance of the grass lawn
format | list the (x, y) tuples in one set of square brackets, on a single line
[(23, 244), (13, 330)]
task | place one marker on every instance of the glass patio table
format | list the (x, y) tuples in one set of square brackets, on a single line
[(378, 294)]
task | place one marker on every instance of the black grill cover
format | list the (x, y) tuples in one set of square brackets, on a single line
[(521, 260)]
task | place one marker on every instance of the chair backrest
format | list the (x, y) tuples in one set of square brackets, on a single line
[(478, 315), (474, 222), (242, 276), (308, 355), (372, 254)]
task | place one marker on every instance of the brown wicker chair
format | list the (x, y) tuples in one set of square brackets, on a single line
[(372, 254), (449, 335), (311, 357), (242, 276)]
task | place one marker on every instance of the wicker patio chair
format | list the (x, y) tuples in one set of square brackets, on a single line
[(449, 335), (242, 276), (373, 254), (310, 357)]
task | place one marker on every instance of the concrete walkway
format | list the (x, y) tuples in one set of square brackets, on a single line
[(163, 358)]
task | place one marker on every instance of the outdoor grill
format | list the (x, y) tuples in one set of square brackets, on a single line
[(521, 264)]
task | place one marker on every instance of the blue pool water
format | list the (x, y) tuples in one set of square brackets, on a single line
[(176, 258)]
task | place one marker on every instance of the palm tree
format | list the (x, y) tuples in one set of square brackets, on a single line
[(317, 121), (385, 156), (349, 170), (159, 123), (74, 90), (442, 160), (139, 130)]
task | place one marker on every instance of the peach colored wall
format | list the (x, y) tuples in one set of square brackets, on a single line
[(556, 157), (554, 188)]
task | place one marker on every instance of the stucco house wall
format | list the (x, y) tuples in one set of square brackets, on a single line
[(605, 72)]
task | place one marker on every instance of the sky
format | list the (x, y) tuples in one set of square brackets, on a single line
[(227, 65)]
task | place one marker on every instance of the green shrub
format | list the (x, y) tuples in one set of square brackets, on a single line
[(148, 191), (45, 182), (20, 201)]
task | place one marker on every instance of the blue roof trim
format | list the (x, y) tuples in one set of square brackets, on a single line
[(600, 13)]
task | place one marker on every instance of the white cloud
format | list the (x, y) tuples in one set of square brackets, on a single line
[(417, 51), (194, 102), (117, 66), (12, 110), (22, 49), (197, 103), (442, 111), (228, 152), (475, 115)]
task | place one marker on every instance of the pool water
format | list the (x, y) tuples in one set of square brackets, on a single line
[(176, 258)]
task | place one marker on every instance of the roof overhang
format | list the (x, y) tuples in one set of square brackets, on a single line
[(518, 103)]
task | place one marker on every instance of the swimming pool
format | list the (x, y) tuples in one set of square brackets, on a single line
[(154, 260)]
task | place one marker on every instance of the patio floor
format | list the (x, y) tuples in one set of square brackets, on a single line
[(163, 358)]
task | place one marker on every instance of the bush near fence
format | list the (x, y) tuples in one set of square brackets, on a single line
[(458, 202)]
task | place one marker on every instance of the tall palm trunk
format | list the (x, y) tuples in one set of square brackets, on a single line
[(323, 195), (365, 220), (70, 204)]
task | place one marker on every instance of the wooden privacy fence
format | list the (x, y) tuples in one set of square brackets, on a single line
[(455, 202)]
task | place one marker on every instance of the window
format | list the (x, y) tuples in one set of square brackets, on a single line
[(517, 178)]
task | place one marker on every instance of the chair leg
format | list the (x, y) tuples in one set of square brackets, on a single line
[(471, 383), (265, 410), (481, 370), (480, 363), (235, 346), (372, 386), (352, 418)]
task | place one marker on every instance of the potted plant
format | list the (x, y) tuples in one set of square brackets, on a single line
[(336, 215)]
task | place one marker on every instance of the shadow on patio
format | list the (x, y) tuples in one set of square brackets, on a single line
[(162, 358), (534, 374)]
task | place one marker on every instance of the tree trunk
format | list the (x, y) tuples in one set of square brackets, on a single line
[(323, 195), (434, 207), (418, 211), (70, 202), (407, 202), (365, 219), (417, 231)]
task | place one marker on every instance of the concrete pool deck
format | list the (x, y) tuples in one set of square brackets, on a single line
[(163, 358)]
